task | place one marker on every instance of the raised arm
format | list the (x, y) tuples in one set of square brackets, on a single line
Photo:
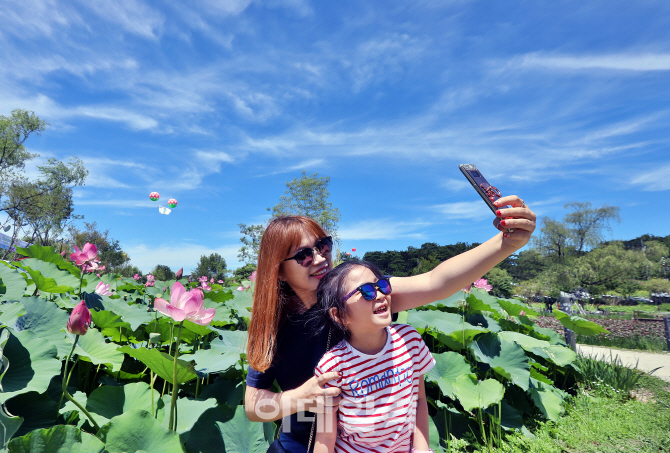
[(263, 405), (461, 270)]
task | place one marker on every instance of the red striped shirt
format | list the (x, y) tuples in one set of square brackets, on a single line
[(379, 392)]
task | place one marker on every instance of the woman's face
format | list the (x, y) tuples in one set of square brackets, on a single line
[(365, 317), (304, 280)]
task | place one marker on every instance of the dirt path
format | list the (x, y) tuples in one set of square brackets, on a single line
[(647, 360)]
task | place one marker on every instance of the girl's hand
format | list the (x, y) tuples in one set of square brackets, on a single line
[(313, 396), (517, 222)]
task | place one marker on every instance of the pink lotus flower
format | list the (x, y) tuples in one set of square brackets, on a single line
[(205, 286), (137, 277), (150, 281), (93, 266), (102, 289), (80, 319), (242, 288), (252, 277), (483, 284), (523, 313), (220, 281), (86, 254), (179, 274), (185, 305), (203, 279)]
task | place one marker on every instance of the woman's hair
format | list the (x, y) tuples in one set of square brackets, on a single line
[(330, 294), (271, 295)]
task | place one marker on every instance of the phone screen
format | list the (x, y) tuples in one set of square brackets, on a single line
[(485, 190)]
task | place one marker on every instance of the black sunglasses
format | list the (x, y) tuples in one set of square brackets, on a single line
[(305, 256), (369, 290)]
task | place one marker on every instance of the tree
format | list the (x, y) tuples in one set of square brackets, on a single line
[(109, 250), (212, 266), (243, 273), (251, 242), (554, 237), (501, 282), (43, 206), (308, 196), (586, 224), (163, 273)]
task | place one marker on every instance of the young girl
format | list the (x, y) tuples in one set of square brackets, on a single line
[(380, 364)]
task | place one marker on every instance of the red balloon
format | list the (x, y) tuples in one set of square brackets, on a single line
[(353, 250), (348, 253)]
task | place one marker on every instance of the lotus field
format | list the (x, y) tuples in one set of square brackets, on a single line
[(103, 363)]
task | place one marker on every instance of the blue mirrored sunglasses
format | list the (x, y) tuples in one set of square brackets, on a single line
[(369, 290)]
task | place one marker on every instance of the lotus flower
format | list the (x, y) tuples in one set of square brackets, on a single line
[(150, 280), (185, 305), (483, 284), (80, 319), (252, 277), (84, 256), (242, 288), (137, 277), (203, 279), (220, 281), (102, 289), (205, 286), (179, 273)]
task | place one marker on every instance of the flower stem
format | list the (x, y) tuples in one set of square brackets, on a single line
[(172, 424), (66, 380), (90, 417)]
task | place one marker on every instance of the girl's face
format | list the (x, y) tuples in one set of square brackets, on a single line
[(365, 316), (305, 279)]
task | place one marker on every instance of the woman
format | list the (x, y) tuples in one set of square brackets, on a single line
[(295, 253)]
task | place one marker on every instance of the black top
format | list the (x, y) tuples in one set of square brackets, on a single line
[(299, 350)]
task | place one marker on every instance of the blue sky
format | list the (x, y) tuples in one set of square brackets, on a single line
[(219, 103)]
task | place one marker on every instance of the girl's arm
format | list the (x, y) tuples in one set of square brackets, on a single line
[(263, 405), (420, 441), (326, 431), (461, 270)]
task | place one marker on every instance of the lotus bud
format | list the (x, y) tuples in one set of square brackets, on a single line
[(80, 319), (179, 273)]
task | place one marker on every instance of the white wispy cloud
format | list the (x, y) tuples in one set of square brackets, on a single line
[(131, 15), (617, 61), (464, 210), (653, 179), (382, 229)]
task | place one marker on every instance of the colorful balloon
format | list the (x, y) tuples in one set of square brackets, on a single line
[(348, 254), (154, 196), (172, 203), (353, 250)]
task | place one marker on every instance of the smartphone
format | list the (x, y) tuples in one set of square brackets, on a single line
[(485, 190)]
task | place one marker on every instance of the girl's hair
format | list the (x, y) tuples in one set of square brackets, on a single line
[(272, 297), (332, 289)]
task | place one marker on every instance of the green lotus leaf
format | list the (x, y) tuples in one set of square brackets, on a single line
[(58, 439), (93, 347), (448, 328), (197, 328), (579, 325), (241, 435), (11, 311), (48, 277), (481, 320), (480, 300), (37, 410), (505, 359), (138, 430), (447, 422), (474, 394), (162, 364), (44, 319), (549, 403), (223, 315), (241, 303), (449, 366), (104, 319), (10, 425), (544, 333), (219, 296), (188, 412), (535, 374), (13, 282), (453, 301), (557, 354), (223, 353), (135, 315), (514, 309), (510, 419), (205, 436), (225, 391), (32, 364), (107, 401), (47, 254)]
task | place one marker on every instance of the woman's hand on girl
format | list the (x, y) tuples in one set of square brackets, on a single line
[(313, 396), (516, 222)]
